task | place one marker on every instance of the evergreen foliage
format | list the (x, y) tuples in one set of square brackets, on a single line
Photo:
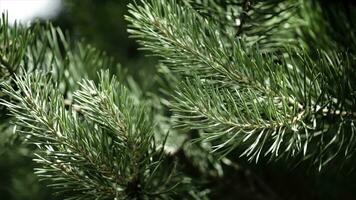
[(267, 103), (240, 80), (101, 147)]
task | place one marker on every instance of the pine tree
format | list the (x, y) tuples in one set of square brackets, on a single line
[(242, 83)]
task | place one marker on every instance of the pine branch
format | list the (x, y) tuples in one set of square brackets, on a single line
[(13, 43), (233, 118), (267, 124), (267, 24), (84, 155), (25, 49), (177, 42), (266, 103), (210, 58)]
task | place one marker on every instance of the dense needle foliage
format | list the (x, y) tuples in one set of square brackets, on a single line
[(241, 84)]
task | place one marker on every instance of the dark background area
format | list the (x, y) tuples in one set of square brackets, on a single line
[(102, 23)]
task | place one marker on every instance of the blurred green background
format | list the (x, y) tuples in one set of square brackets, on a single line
[(102, 23)]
